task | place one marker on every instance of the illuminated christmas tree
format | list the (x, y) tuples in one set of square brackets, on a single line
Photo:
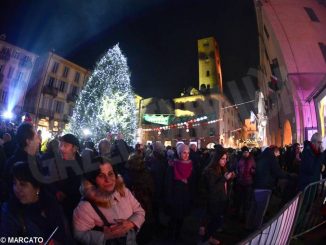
[(107, 103)]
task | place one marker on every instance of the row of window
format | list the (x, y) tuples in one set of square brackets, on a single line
[(55, 106), (65, 72), (18, 77), (62, 85), (7, 53)]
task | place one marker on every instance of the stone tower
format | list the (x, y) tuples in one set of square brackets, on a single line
[(210, 73)]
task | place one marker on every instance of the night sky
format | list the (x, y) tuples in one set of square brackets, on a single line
[(158, 37)]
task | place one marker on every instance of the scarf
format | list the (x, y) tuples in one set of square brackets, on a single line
[(314, 149), (182, 169)]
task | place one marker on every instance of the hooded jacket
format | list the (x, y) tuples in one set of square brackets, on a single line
[(267, 170)]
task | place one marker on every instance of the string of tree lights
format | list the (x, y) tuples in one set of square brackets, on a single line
[(107, 102)]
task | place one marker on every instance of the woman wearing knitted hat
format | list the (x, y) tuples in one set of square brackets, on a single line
[(215, 188), (179, 176)]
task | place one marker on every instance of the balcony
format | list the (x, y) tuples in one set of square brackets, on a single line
[(72, 97), (45, 113), (51, 91)]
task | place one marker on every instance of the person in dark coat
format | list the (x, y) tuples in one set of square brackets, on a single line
[(8, 145), (119, 154), (194, 156), (214, 190), (157, 165), (312, 160), (245, 178), (67, 188), (268, 171), (140, 182), (31, 212), (294, 159), (179, 191), (28, 143)]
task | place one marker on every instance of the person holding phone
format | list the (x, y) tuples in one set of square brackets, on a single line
[(215, 190)]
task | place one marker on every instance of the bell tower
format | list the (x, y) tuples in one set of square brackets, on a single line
[(210, 73)]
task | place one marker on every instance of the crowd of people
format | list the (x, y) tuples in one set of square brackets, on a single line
[(108, 192)]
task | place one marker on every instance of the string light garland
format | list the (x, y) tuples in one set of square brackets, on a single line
[(194, 122), (106, 104), (187, 125)]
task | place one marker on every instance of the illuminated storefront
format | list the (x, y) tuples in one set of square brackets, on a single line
[(320, 103)]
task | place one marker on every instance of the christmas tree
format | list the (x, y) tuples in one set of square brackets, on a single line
[(107, 103)]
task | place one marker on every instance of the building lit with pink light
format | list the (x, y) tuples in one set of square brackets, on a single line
[(292, 43)]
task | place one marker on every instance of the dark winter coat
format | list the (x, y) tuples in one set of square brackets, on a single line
[(157, 165), (140, 182), (19, 156), (34, 220), (214, 192), (267, 171), (310, 168), (69, 186), (178, 194), (119, 154), (9, 148)]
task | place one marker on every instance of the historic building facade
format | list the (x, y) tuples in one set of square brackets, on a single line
[(52, 95), (204, 116), (16, 66), (292, 77)]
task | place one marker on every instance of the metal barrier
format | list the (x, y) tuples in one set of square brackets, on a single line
[(309, 212), (277, 230), (299, 216)]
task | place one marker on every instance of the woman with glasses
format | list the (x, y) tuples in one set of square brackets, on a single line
[(108, 213)]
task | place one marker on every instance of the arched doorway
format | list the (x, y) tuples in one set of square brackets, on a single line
[(287, 134), (278, 140)]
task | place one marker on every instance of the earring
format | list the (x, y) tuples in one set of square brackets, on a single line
[(37, 193)]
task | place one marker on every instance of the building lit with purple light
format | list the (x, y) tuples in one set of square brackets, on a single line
[(292, 43)]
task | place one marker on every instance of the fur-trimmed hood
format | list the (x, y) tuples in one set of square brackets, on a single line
[(93, 194)]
